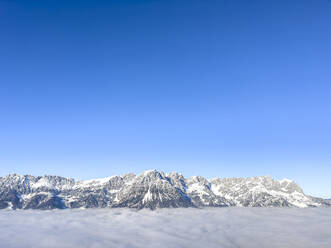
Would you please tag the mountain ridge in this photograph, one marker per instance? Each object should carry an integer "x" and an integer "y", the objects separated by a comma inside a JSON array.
[{"x": 150, "y": 189}]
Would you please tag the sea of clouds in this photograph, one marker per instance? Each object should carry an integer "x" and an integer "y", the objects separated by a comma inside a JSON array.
[{"x": 209, "y": 227}]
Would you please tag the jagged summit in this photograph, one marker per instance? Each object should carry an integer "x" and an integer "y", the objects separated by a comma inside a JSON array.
[{"x": 150, "y": 189}]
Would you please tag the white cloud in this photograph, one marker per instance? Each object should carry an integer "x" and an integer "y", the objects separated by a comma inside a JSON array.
[{"x": 210, "y": 227}]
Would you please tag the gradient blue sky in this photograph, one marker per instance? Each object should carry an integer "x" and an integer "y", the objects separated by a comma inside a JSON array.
[{"x": 213, "y": 88}]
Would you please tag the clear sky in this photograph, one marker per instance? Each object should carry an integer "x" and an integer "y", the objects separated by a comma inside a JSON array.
[{"x": 220, "y": 88}]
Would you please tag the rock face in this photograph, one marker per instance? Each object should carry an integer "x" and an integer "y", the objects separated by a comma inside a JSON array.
[{"x": 151, "y": 189}]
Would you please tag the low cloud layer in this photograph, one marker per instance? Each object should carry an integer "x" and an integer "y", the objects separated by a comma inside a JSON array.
[{"x": 210, "y": 227}]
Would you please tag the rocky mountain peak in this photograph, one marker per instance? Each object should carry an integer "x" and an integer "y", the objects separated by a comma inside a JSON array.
[{"x": 150, "y": 189}]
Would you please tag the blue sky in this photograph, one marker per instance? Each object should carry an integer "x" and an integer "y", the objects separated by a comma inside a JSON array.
[{"x": 213, "y": 88}]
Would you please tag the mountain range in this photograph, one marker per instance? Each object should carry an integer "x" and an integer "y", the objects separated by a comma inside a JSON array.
[{"x": 151, "y": 189}]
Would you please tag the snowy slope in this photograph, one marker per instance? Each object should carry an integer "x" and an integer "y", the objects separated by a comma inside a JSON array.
[{"x": 150, "y": 189}]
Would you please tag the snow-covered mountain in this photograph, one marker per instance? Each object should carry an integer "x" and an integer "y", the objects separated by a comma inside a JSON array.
[{"x": 150, "y": 189}]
